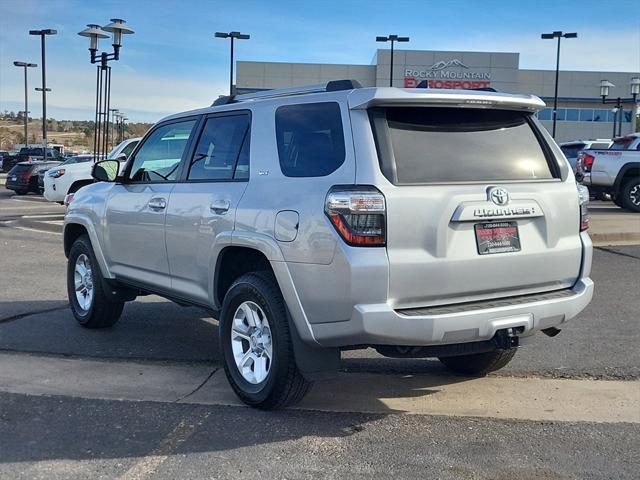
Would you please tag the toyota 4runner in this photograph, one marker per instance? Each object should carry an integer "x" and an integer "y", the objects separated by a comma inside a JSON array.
[{"x": 308, "y": 221}]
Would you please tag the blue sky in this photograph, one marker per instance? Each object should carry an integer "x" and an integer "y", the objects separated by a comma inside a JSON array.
[{"x": 173, "y": 63}]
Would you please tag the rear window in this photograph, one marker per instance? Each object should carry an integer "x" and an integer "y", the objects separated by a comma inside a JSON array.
[
  {"x": 310, "y": 139},
  {"x": 21, "y": 169},
  {"x": 571, "y": 151},
  {"x": 437, "y": 144}
]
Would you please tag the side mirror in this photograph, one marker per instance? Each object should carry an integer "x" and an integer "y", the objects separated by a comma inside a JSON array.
[{"x": 106, "y": 170}]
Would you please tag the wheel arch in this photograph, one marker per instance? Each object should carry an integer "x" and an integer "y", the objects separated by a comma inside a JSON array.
[
  {"x": 628, "y": 171},
  {"x": 74, "y": 227}
]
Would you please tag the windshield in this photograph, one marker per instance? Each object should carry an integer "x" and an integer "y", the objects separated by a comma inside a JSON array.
[{"x": 418, "y": 145}]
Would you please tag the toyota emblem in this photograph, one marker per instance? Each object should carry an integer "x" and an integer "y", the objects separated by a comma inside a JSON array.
[{"x": 499, "y": 196}]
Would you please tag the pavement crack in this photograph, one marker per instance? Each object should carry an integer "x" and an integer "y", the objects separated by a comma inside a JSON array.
[
  {"x": 615, "y": 252},
  {"x": 33, "y": 312},
  {"x": 202, "y": 384}
]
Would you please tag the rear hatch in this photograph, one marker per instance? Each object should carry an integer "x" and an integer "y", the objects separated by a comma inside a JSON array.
[
  {"x": 20, "y": 174},
  {"x": 476, "y": 208}
]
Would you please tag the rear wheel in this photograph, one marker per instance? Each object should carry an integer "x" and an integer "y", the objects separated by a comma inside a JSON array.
[
  {"x": 255, "y": 341},
  {"x": 90, "y": 304},
  {"x": 479, "y": 363},
  {"x": 22, "y": 192},
  {"x": 630, "y": 195}
]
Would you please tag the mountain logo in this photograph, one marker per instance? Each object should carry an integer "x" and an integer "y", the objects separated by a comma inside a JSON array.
[{"x": 441, "y": 65}]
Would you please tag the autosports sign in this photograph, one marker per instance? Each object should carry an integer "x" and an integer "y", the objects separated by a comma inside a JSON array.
[{"x": 438, "y": 75}]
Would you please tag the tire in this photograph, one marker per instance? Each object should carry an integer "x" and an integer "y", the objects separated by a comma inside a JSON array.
[
  {"x": 99, "y": 311},
  {"x": 479, "y": 364},
  {"x": 630, "y": 195},
  {"x": 256, "y": 295},
  {"x": 616, "y": 201},
  {"x": 22, "y": 192}
]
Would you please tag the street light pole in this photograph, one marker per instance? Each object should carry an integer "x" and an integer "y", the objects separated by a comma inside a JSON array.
[
  {"x": 25, "y": 65},
  {"x": 44, "y": 89},
  {"x": 94, "y": 32},
  {"x": 392, "y": 39},
  {"x": 558, "y": 35},
  {"x": 605, "y": 85},
  {"x": 232, "y": 36}
]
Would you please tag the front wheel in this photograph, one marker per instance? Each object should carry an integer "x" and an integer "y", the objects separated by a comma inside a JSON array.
[
  {"x": 255, "y": 341},
  {"x": 630, "y": 195},
  {"x": 479, "y": 364},
  {"x": 90, "y": 304}
]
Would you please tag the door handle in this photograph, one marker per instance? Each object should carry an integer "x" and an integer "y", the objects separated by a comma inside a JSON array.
[
  {"x": 157, "y": 203},
  {"x": 220, "y": 206}
]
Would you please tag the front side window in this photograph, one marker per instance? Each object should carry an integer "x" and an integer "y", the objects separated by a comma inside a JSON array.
[
  {"x": 418, "y": 145},
  {"x": 219, "y": 155},
  {"x": 158, "y": 159},
  {"x": 310, "y": 139}
]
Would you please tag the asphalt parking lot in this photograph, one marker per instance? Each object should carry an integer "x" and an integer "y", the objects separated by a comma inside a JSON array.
[{"x": 71, "y": 401}]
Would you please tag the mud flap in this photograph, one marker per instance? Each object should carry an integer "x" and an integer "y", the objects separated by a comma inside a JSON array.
[{"x": 314, "y": 363}]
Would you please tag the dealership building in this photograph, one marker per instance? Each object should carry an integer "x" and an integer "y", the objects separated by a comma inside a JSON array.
[{"x": 581, "y": 114}]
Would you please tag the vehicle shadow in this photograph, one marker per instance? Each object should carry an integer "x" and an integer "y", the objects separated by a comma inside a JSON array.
[{"x": 153, "y": 330}]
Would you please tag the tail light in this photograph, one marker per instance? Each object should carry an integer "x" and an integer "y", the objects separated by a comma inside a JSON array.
[
  {"x": 587, "y": 162},
  {"x": 25, "y": 176},
  {"x": 583, "y": 195},
  {"x": 358, "y": 214}
]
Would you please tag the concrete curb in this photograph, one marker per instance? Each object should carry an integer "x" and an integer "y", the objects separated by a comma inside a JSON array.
[
  {"x": 536, "y": 399},
  {"x": 617, "y": 238}
]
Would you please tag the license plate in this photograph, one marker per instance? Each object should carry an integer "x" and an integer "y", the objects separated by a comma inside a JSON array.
[
  {"x": 497, "y": 237},
  {"x": 14, "y": 178}
]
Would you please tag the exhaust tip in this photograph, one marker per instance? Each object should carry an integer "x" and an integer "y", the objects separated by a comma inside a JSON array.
[{"x": 551, "y": 331}]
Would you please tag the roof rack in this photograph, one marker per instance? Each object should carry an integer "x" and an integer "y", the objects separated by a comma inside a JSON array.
[{"x": 332, "y": 86}]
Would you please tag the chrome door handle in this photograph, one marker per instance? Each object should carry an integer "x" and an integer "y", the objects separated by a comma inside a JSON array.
[
  {"x": 220, "y": 206},
  {"x": 157, "y": 204}
]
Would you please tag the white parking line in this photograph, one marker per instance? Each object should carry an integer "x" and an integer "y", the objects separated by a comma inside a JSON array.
[{"x": 18, "y": 227}]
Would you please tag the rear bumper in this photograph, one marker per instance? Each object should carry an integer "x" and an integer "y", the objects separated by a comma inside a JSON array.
[{"x": 379, "y": 324}]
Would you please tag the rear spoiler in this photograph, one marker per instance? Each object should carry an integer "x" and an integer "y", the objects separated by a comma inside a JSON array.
[{"x": 369, "y": 97}]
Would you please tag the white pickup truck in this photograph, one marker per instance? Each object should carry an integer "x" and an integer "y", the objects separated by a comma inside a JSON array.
[
  {"x": 69, "y": 177},
  {"x": 615, "y": 171}
]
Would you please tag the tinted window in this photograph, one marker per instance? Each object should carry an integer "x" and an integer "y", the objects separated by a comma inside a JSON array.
[
  {"x": 571, "y": 151},
  {"x": 425, "y": 144},
  {"x": 159, "y": 156},
  {"x": 310, "y": 139},
  {"x": 128, "y": 149},
  {"x": 219, "y": 149}
]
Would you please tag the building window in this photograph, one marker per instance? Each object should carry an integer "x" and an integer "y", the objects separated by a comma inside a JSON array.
[
  {"x": 544, "y": 114},
  {"x": 586, "y": 115},
  {"x": 599, "y": 115},
  {"x": 572, "y": 114}
]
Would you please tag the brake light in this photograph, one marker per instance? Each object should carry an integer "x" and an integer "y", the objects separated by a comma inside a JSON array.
[
  {"x": 587, "y": 162},
  {"x": 358, "y": 213},
  {"x": 583, "y": 195},
  {"x": 24, "y": 176},
  {"x": 68, "y": 198}
]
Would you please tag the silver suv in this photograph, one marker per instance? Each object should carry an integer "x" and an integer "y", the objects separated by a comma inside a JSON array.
[{"x": 308, "y": 221}]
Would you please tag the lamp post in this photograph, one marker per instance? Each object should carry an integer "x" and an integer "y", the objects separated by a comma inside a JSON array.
[
  {"x": 42, "y": 34},
  {"x": 605, "y": 86},
  {"x": 232, "y": 36},
  {"x": 551, "y": 36},
  {"x": 392, "y": 39},
  {"x": 25, "y": 65},
  {"x": 112, "y": 133},
  {"x": 94, "y": 32}
]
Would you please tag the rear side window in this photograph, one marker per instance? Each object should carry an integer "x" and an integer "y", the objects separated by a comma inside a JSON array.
[
  {"x": 437, "y": 145},
  {"x": 220, "y": 154},
  {"x": 310, "y": 139}
]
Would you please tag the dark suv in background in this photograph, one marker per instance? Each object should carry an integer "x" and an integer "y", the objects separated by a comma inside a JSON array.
[{"x": 23, "y": 177}]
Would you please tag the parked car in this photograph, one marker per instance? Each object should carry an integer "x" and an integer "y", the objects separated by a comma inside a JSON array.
[
  {"x": 28, "y": 154},
  {"x": 75, "y": 173},
  {"x": 571, "y": 149},
  {"x": 614, "y": 172},
  {"x": 437, "y": 223},
  {"x": 23, "y": 177}
]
